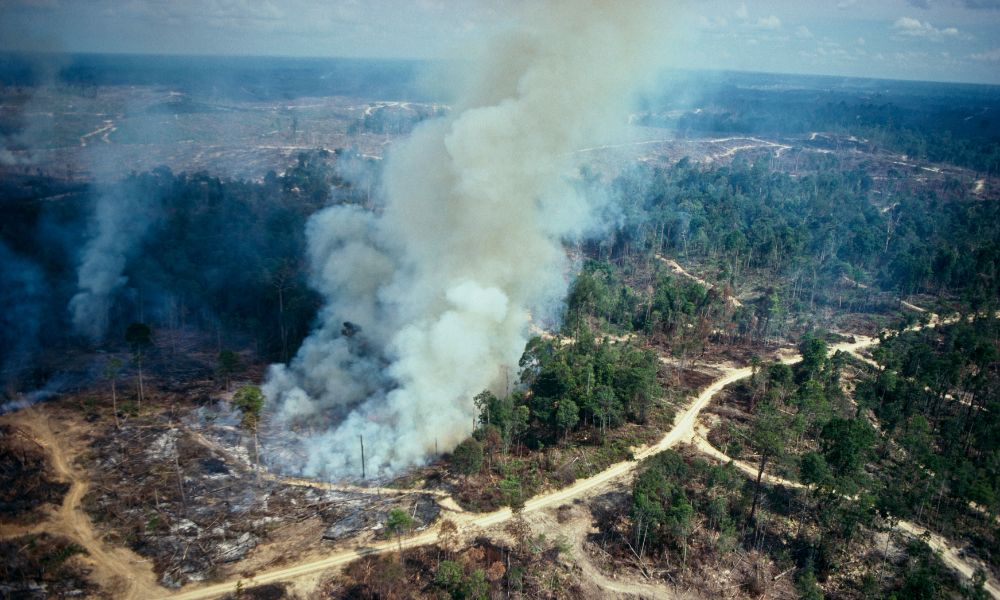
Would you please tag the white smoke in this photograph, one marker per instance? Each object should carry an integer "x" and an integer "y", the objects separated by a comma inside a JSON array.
[
  {"x": 444, "y": 282},
  {"x": 121, "y": 219}
]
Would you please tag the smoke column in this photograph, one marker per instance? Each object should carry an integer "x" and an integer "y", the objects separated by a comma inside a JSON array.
[
  {"x": 121, "y": 219},
  {"x": 444, "y": 283}
]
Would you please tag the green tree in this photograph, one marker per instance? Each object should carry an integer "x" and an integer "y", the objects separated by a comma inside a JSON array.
[
  {"x": 512, "y": 492},
  {"x": 228, "y": 364},
  {"x": 769, "y": 437},
  {"x": 449, "y": 575},
  {"x": 399, "y": 522},
  {"x": 609, "y": 408},
  {"x": 807, "y": 585},
  {"x": 846, "y": 445},
  {"x": 661, "y": 511},
  {"x": 467, "y": 457},
  {"x": 679, "y": 515},
  {"x": 567, "y": 415},
  {"x": 250, "y": 401},
  {"x": 488, "y": 404},
  {"x": 814, "y": 356},
  {"x": 813, "y": 469}
]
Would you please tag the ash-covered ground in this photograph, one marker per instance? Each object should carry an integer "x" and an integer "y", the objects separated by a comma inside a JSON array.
[{"x": 180, "y": 487}]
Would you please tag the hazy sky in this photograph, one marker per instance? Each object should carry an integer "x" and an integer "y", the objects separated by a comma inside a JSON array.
[{"x": 948, "y": 40}]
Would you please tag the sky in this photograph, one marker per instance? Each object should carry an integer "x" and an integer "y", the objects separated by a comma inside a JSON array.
[{"x": 936, "y": 40}]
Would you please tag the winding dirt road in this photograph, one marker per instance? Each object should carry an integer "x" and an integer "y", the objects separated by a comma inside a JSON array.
[
  {"x": 683, "y": 430},
  {"x": 948, "y": 552},
  {"x": 677, "y": 268},
  {"x": 117, "y": 570}
]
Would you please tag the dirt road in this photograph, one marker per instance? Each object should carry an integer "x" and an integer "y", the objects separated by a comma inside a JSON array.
[
  {"x": 948, "y": 552},
  {"x": 117, "y": 570},
  {"x": 677, "y": 268},
  {"x": 579, "y": 523},
  {"x": 683, "y": 429},
  {"x": 125, "y": 575}
]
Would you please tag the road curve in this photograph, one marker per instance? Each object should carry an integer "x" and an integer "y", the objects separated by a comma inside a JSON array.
[
  {"x": 949, "y": 553},
  {"x": 683, "y": 429}
]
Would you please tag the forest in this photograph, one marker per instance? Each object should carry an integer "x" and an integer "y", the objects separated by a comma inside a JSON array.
[{"x": 798, "y": 477}]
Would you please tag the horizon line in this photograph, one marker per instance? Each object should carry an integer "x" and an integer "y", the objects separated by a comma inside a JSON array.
[{"x": 414, "y": 60}]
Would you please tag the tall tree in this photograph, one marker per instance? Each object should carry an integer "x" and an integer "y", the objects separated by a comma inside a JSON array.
[
  {"x": 467, "y": 457},
  {"x": 399, "y": 522},
  {"x": 111, "y": 371},
  {"x": 250, "y": 401},
  {"x": 139, "y": 337},
  {"x": 769, "y": 437},
  {"x": 228, "y": 364}
]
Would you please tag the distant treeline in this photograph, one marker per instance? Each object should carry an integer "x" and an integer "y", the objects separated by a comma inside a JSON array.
[
  {"x": 229, "y": 77},
  {"x": 951, "y": 123}
]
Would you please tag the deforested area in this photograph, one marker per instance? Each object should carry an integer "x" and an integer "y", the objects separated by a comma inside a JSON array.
[{"x": 556, "y": 299}]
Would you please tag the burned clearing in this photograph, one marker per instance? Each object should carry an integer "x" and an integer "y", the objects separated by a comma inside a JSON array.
[
  {"x": 28, "y": 486},
  {"x": 198, "y": 511},
  {"x": 38, "y": 566}
]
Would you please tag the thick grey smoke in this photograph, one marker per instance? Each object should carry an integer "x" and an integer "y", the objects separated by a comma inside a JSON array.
[
  {"x": 121, "y": 219},
  {"x": 445, "y": 282}
]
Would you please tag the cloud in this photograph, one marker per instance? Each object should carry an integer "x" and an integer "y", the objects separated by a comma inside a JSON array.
[
  {"x": 769, "y": 23},
  {"x": 803, "y": 33},
  {"x": 973, "y": 4},
  {"x": 710, "y": 23},
  {"x": 910, "y": 27},
  {"x": 742, "y": 13},
  {"x": 989, "y": 55}
]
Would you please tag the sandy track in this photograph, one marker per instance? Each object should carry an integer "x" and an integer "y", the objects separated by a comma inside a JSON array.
[
  {"x": 682, "y": 430},
  {"x": 580, "y": 524},
  {"x": 122, "y": 573},
  {"x": 948, "y": 552},
  {"x": 118, "y": 571},
  {"x": 677, "y": 268}
]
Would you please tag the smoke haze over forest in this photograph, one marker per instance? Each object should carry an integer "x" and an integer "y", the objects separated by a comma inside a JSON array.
[{"x": 444, "y": 282}]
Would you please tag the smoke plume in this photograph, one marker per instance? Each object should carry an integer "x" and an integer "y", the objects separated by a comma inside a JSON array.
[
  {"x": 440, "y": 288},
  {"x": 120, "y": 221}
]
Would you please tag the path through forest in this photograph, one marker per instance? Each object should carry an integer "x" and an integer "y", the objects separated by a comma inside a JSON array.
[
  {"x": 682, "y": 430},
  {"x": 949, "y": 553},
  {"x": 120, "y": 570}
]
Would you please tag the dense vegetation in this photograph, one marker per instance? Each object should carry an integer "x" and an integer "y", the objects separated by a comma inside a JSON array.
[
  {"x": 574, "y": 398},
  {"x": 812, "y": 229},
  {"x": 937, "y": 398}
]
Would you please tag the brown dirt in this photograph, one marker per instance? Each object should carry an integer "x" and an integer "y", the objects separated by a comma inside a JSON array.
[
  {"x": 118, "y": 571},
  {"x": 576, "y": 523},
  {"x": 114, "y": 565}
]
